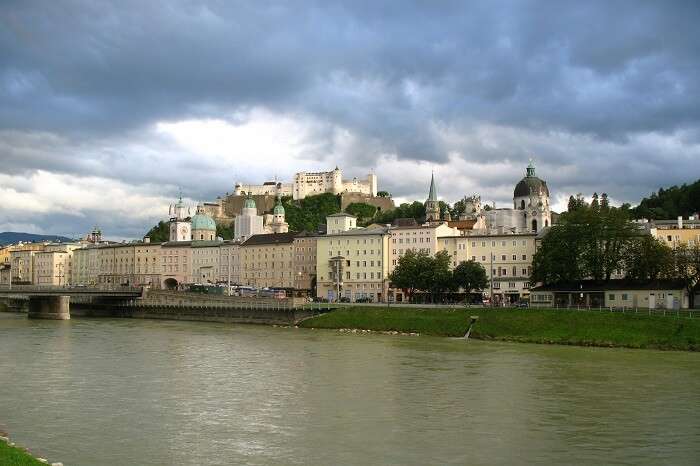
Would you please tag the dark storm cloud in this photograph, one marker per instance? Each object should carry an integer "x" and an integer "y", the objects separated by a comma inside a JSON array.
[
  {"x": 577, "y": 84},
  {"x": 607, "y": 68}
]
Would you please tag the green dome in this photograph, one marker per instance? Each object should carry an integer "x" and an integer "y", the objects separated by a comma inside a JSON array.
[
  {"x": 279, "y": 209},
  {"x": 203, "y": 222}
]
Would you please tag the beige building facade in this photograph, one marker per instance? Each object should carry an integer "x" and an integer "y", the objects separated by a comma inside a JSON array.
[
  {"x": 205, "y": 261},
  {"x": 305, "y": 247},
  {"x": 267, "y": 261},
  {"x": 506, "y": 258},
  {"x": 353, "y": 265},
  {"x": 418, "y": 238},
  {"x": 230, "y": 260}
]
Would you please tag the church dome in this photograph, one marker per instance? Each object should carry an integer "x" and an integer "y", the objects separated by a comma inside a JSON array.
[
  {"x": 530, "y": 185},
  {"x": 202, "y": 221},
  {"x": 278, "y": 210}
]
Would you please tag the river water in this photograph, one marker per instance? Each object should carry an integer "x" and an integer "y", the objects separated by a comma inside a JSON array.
[{"x": 139, "y": 392}]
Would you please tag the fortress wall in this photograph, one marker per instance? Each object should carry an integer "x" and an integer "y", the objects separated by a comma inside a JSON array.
[{"x": 382, "y": 203}]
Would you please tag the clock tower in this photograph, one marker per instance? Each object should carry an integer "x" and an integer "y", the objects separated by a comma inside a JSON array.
[{"x": 180, "y": 227}]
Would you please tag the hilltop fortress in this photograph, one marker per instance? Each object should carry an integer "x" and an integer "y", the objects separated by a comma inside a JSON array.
[
  {"x": 310, "y": 184},
  {"x": 304, "y": 184}
]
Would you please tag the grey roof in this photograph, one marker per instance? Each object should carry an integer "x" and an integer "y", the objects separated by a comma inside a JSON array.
[
  {"x": 175, "y": 244},
  {"x": 530, "y": 185},
  {"x": 206, "y": 243},
  {"x": 270, "y": 238},
  {"x": 610, "y": 285},
  {"x": 341, "y": 214}
]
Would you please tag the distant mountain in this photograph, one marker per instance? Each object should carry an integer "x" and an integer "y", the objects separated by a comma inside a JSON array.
[{"x": 11, "y": 237}]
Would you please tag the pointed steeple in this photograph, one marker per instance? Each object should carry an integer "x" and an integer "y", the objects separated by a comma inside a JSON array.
[{"x": 432, "y": 195}]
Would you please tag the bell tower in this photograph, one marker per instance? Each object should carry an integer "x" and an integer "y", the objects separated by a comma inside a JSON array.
[{"x": 180, "y": 227}]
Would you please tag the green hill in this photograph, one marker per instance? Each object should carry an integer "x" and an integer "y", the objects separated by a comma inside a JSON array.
[{"x": 670, "y": 203}]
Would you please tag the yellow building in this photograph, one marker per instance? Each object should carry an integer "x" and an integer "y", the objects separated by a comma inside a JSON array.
[
  {"x": 229, "y": 259},
  {"x": 419, "y": 238},
  {"x": 52, "y": 268},
  {"x": 205, "y": 261},
  {"x": 353, "y": 264},
  {"x": 176, "y": 263},
  {"x": 677, "y": 232},
  {"x": 133, "y": 264},
  {"x": 267, "y": 261},
  {"x": 506, "y": 258}
]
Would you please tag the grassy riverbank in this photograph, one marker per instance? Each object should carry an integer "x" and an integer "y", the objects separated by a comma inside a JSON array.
[
  {"x": 13, "y": 456},
  {"x": 524, "y": 325}
]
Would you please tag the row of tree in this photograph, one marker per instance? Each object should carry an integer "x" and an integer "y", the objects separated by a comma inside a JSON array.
[
  {"x": 421, "y": 272},
  {"x": 596, "y": 241}
]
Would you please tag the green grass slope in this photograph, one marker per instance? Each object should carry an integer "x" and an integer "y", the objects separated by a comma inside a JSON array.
[{"x": 531, "y": 325}]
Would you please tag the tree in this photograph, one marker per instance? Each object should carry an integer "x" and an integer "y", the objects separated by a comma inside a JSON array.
[
  {"x": 308, "y": 213},
  {"x": 440, "y": 278},
  {"x": 225, "y": 232},
  {"x": 383, "y": 194},
  {"x": 363, "y": 212},
  {"x": 418, "y": 271},
  {"x": 470, "y": 276},
  {"x": 414, "y": 210},
  {"x": 686, "y": 267},
  {"x": 669, "y": 203},
  {"x": 646, "y": 258},
  {"x": 587, "y": 242},
  {"x": 160, "y": 233},
  {"x": 407, "y": 273}
]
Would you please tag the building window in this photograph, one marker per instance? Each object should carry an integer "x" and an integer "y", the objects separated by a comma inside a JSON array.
[
  {"x": 624, "y": 296},
  {"x": 611, "y": 297}
]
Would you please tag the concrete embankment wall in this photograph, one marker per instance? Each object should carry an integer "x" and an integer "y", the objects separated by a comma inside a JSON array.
[{"x": 197, "y": 307}]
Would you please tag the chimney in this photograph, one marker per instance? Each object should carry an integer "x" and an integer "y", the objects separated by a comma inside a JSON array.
[
  {"x": 146, "y": 239},
  {"x": 680, "y": 222}
]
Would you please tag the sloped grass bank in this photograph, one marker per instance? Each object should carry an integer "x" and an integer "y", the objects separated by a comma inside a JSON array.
[
  {"x": 524, "y": 325},
  {"x": 13, "y": 456}
]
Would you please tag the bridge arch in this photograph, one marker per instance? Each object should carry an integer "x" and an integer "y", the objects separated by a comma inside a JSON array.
[{"x": 170, "y": 284}]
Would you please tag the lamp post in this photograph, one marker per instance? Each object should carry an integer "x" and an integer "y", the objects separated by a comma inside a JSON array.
[{"x": 491, "y": 281}]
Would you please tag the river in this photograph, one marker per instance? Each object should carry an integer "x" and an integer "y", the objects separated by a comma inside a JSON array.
[{"x": 138, "y": 392}]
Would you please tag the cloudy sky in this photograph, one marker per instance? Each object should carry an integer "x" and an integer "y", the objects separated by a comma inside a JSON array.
[{"x": 107, "y": 108}]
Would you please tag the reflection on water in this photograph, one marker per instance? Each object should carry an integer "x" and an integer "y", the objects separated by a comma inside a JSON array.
[{"x": 135, "y": 392}]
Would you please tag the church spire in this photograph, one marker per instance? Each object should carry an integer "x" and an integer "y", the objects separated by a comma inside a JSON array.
[
  {"x": 432, "y": 205},
  {"x": 432, "y": 195}
]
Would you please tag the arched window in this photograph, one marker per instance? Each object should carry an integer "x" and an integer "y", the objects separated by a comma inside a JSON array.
[
  {"x": 534, "y": 225},
  {"x": 522, "y": 204},
  {"x": 546, "y": 223}
]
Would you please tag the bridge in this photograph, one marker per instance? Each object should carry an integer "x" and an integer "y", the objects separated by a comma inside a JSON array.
[{"x": 53, "y": 302}]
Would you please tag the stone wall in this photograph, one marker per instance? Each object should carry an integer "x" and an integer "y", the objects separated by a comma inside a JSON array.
[
  {"x": 172, "y": 305},
  {"x": 382, "y": 203}
]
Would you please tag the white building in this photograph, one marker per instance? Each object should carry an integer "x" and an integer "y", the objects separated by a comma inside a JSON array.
[{"x": 249, "y": 223}]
